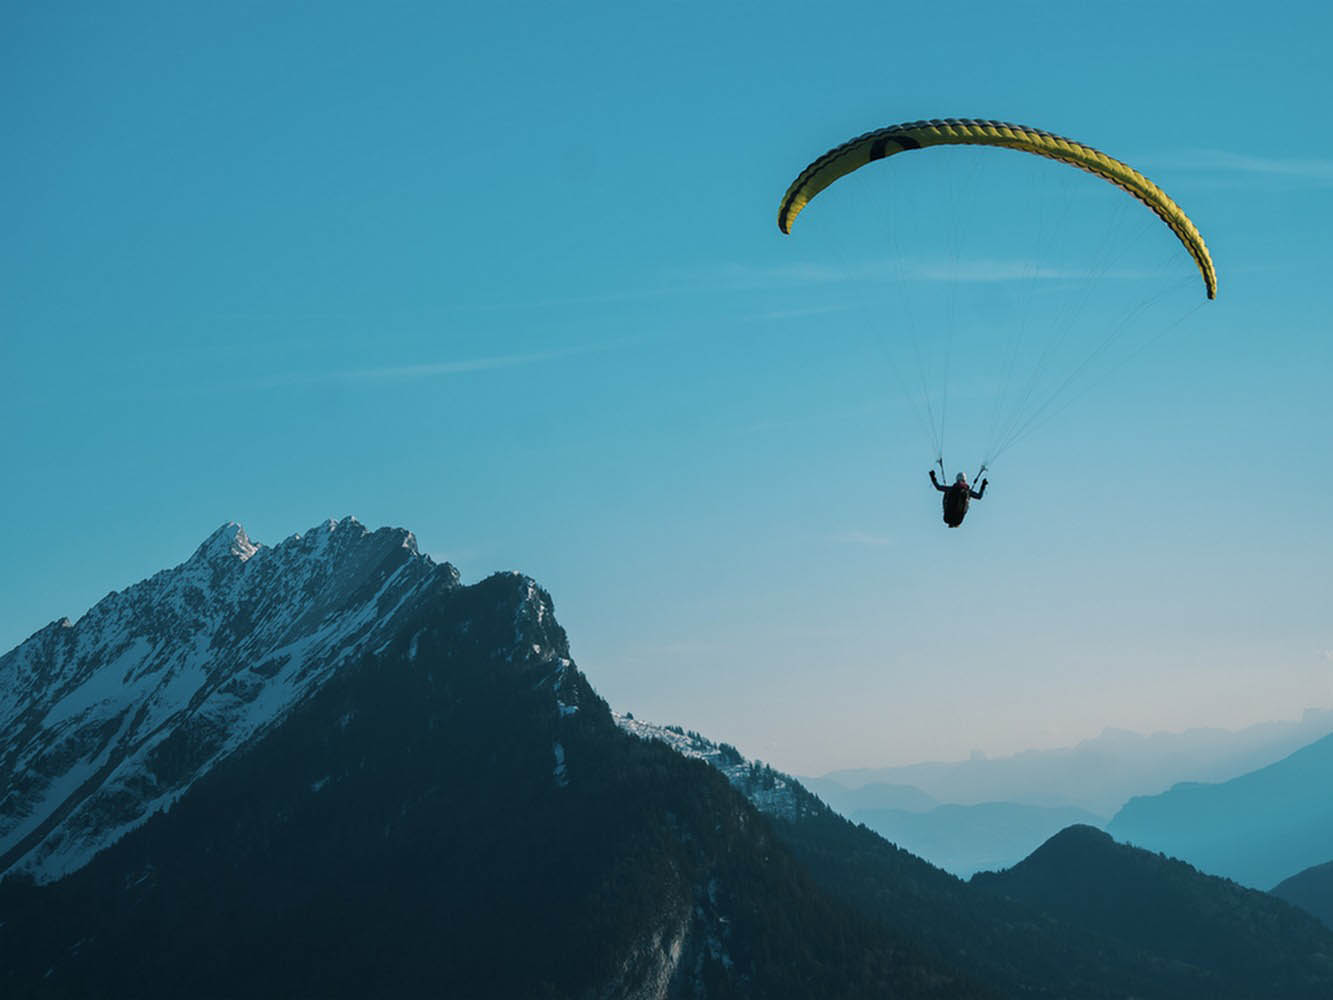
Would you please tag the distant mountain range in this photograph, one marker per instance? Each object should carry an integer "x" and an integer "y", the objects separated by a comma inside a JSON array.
[
  {"x": 328, "y": 768},
  {"x": 1099, "y": 775},
  {"x": 968, "y": 839},
  {"x": 961, "y": 839},
  {"x": 1072, "y": 920},
  {"x": 876, "y": 795},
  {"x": 1311, "y": 890},
  {"x": 1258, "y": 829},
  {"x": 966, "y": 836}
]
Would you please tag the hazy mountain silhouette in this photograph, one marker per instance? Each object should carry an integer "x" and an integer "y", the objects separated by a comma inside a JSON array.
[
  {"x": 1039, "y": 943},
  {"x": 1258, "y": 829},
  {"x": 968, "y": 839},
  {"x": 1252, "y": 943},
  {"x": 876, "y": 795},
  {"x": 1101, "y": 774},
  {"x": 1311, "y": 890}
]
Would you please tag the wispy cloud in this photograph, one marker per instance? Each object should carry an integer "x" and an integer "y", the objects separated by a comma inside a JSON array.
[
  {"x": 778, "y": 314},
  {"x": 983, "y": 270},
  {"x": 975, "y": 271},
  {"x": 735, "y": 277},
  {"x": 429, "y": 369},
  {"x": 861, "y": 538},
  {"x": 1220, "y": 161},
  {"x": 857, "y": 412},
  {"x": 590, "y": 299}
]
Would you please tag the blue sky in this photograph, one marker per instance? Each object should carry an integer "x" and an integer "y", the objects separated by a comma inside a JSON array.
[{"x": 509, "y": 276}]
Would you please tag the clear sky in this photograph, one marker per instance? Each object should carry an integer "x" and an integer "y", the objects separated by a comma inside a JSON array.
[{"x": 509, "y": 275}]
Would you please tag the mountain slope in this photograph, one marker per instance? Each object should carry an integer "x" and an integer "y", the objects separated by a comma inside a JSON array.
[
  {"x": 450, "y": 810},
  {"x": 1020, "y": 947},
  {"x": 1311, "y": 890},
  {"x": 1246, "y": 939},
  {"x": 1258, "y": 829},
  {"x": 111, "y": 718}
]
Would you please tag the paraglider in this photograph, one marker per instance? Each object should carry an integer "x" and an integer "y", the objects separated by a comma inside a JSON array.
[
  {"x": 956, "y": 497},
  {"x": 1015, "y": 412}
]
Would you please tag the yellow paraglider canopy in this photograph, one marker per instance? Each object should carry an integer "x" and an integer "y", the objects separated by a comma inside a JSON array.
[{"x": 881, "y": 143}]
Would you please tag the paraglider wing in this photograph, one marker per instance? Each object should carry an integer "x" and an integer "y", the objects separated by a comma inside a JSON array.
[{"x": 885, "y": 142}]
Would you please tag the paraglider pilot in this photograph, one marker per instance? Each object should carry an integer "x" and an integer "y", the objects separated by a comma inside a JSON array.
[{"x": 956, "y": 498}]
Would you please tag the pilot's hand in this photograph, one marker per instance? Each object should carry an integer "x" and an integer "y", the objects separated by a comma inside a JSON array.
[
  {"x": 984, "y": 482},
  {"x": 932, "y": 475}
]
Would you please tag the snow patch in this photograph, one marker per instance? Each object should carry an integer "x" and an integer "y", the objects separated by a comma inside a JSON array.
[{"x": 770, "y": 791}]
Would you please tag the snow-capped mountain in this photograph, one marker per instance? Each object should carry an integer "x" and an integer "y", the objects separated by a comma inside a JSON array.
[
  {"x": 328, "y": 768},
  {"x": 111, "y": 718}
]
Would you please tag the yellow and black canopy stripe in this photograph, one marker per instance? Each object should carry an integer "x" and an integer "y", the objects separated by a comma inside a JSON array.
[{"x": 876, "y": 145}]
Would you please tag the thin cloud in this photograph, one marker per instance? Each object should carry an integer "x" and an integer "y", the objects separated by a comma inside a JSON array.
[
  {"x": 977, "y": 271},
  {"x": 805, "y": 419},
  {"x": 733, "y": 277},
  {"x": 1225, "y": 162},
  {"x": 796, "y": 313},
  {"x": 592, "y": 298},
  {"x": 433, "y": 369},
  {"x": 982, "y": 271},
  {"x": 861, "y": 538}
]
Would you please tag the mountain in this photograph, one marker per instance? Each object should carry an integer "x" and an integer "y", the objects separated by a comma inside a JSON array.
[
  {"x": 1101, "y": 774},
  {"x": 421, "y": 794},
  {"x": 329, "y": 769},
  {"x": 113, "y": 717},
  {"x": 1258, "y": 829},
  {"x": 968, "y": 839},
  {"x": 1031, "y": 947},
  {"x": 1311, "y": 890},
  {"x": 1142, "y": 900}
]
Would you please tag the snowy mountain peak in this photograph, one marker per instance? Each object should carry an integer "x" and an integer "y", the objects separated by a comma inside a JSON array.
[
  {"x": 229, "y": 542},
  {"x": 110, "y": 718}
]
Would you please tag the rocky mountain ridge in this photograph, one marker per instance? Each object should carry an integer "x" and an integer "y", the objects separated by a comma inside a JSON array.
[{"x": 112, "y": 718}]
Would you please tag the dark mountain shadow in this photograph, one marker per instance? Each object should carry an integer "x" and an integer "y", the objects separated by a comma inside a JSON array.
[
  {"x": 458, "y": 816},
  {"x": 1311, "y": 890},
  {"x": 1250, "y": 942}
]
